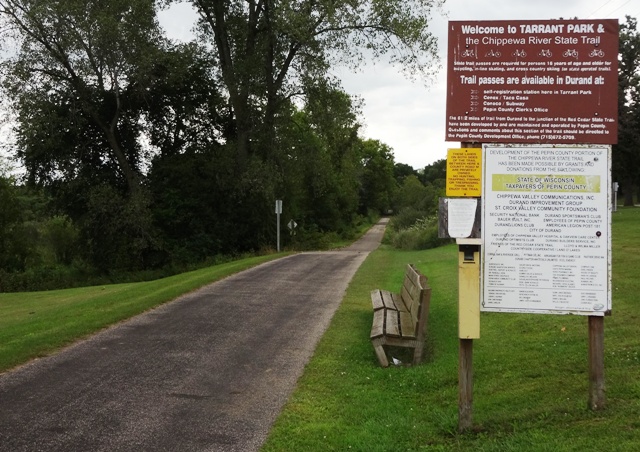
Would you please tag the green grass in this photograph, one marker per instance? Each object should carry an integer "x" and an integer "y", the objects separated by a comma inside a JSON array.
[
  {"x": 35, "y": 324},
  {"x": 530, "y": 372}
]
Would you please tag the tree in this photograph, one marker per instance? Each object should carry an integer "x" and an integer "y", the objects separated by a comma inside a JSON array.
[
  {"x": 12, "y": 255},
  {"x": 321, "y": 160},
  {"x": 378, "y": 182},
  {"x": 84, "y": 57},
  {"x": 435, "y": 174},
  {"x": 401, "y": 171},
  {"x": 626, "y": 162},
  {"x": 183, "y": 107},
  {"x": 412, "y": 194},
  {"x": 268, "y": 52}
]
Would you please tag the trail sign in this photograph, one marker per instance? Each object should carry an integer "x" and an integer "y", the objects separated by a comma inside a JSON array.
[{"x": 553, "y": 81}]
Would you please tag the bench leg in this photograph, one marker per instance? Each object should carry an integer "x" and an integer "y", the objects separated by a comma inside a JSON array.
[
  {"x": 418, "y": 353},
  {"x": 380, "y": 353}
]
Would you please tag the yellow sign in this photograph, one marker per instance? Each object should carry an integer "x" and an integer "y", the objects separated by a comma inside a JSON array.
[{"x": 464, "y": 172}]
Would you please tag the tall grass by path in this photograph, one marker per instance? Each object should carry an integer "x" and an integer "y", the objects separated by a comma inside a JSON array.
[
  {"x": 530, "y": 371},
  {"x": 34, "y": 324}
]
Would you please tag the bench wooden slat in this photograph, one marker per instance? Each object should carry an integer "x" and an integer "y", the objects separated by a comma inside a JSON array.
[
  {"x": 377, "y": 329},
  {"x": 417, "y": 278},
  {"x": 407, "y": 325},
  {"x": 397, "y": 301},
  {"x": 376, "y": 300},
  {"x": 388, "y": 300},
  {"x": 412, "y": 290},
  {"x": 392, "y": 327},
  {"x": 411, "y": 302}
]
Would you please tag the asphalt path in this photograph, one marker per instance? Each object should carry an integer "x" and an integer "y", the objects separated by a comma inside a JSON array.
[{"x": 209, "y": 371}]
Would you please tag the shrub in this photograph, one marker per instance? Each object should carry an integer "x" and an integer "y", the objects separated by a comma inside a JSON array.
[
  {"x": 421, "y": 235},
  {"x": 406, "y": 218}
]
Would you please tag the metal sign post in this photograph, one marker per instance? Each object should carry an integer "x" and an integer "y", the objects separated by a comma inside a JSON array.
[{"x": 278, "y": 213}]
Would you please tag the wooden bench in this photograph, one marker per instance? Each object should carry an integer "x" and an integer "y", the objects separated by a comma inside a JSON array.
[{"x": 401, "y": 319}]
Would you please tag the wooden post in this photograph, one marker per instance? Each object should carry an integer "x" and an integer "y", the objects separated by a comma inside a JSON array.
[
  {"x": 597, "y": 398},
  {"x": 465, "y": 385},
  {"x": 469, "y": 292}
]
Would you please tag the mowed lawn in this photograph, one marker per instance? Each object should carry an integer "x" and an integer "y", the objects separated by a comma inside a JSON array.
[
  {"x": 530, "y": 371},
  {"x": 35, "y": 324}
]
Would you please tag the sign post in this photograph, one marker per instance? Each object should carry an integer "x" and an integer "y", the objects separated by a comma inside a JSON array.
[
  {"x": 458, "y": 220},
  {"x": 278, "y": 213}
]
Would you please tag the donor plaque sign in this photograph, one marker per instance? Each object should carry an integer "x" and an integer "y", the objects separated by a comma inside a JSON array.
[
  {"x": 552, "y": 81},
  {"x": 547, "y": 229}
]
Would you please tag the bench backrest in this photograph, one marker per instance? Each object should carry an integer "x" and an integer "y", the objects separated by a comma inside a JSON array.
[{"x": 416, "y": 296}]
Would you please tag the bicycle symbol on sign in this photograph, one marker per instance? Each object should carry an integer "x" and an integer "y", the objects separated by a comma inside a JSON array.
[
  {"x": 545, "y": 53},
  {"x": 597, "y": 53},
  {"x": 519, "y": 54},
  {"x": 468, "y": 53},
  {"x": 570, "y": 53},
  {"x": 493, "y": 53}
]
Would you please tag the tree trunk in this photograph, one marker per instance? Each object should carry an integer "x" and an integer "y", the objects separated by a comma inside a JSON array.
[
  {"x": 133, "y": 181},
  {"x": 627, "y": 191}
]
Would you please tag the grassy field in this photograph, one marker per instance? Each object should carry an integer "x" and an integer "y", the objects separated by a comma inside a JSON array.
[
  {"x": 35, "y": 324},
  {"x": 530, "y": 372}
]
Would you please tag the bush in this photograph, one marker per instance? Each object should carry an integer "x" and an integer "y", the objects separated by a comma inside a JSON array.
[
  {"x": 406, "y": 218},
  {"x": 61, "y": 238},
  {"x": 421, "y": 235},
  {"x": 44, "y": 277},
  {"x": 312, "y": 239}
]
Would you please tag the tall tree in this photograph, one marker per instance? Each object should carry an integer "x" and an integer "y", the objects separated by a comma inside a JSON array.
[
  {"x": 83, "y": 56},
  {"x": 626, "y": 160},
  {"x": 378, "y": 182},
  {"x": 184, "y": 110},
  {"x": 322, "y": 164},
  {"x": 268, "y": 51},
  {"x": 435, "y": 173},
  {"x": 402, "y": 170}
]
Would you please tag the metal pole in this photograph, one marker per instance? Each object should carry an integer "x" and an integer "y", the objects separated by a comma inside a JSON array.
[
  {"x": 278, "y": 229},
  {"x": 278, "y": 212}
]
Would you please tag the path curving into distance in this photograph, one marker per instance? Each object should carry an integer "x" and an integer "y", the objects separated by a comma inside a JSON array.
[{"x": 209, "y": 371}]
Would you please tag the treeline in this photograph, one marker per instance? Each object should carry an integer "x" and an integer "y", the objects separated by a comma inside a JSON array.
[
  {"x": 144, "y": 155},
  {"x": 183, "y": 219}
]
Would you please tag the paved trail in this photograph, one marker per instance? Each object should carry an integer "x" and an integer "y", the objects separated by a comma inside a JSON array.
[{"x": 207, "y": 372}]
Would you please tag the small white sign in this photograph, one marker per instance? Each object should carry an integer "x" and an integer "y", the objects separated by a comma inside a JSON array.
[
  {"x": 461, "y": 217},
  {"x": 278, "y": 206}
]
